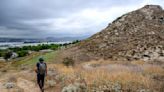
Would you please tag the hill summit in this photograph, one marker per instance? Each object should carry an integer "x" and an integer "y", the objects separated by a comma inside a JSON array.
[{"x": 133, "y": 36}]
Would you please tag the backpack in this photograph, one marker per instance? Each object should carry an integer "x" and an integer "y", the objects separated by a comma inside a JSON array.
[{"x": 42, "y": 68}]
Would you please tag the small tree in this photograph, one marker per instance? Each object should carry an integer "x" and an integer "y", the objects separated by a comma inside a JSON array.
[
  {"x": 74, "y": 42},
  {"x": 7, "y": 55},
  {"x": 1, "y": 54},
  {"x": 22, "y": 53}
]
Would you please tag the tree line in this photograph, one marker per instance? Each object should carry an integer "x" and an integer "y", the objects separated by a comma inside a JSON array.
[{"x": 24, "y": 51}]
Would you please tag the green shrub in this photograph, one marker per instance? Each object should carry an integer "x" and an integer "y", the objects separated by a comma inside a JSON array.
[
  {"x": 74, "y": 42},
  {"x": 1, "y": 54},
  {"x": 7, "y": 55},
  {"x": 68, "y": 61},
  {"x": 15, "y": 49},
  {"x": 54, "y": 46},
  {"x": 22, "y": 53}
]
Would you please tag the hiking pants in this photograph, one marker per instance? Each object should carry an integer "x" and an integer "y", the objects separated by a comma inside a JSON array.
[{"x": 40, "y": 80}]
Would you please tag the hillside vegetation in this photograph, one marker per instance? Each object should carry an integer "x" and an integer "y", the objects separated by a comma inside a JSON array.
[{"x": 101, "y": 75}]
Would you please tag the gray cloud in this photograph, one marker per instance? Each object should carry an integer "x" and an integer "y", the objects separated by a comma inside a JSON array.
[{"x": 60, "y": 18}]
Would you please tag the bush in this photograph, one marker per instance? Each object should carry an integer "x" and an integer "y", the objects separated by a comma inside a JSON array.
[
  {"x": 1, "y": 54},
  {"x": 68, "y": 61},
  {"x": 7, "y": 55},
  {"x": 22, "y": 53},
  {"x": 54, "y": 46},
  {"x": 74, "y": 42},
  {"x": 15, "y": 49}
]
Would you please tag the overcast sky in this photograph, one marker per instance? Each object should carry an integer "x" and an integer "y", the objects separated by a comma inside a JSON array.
[{"x": 62, "y": 18}]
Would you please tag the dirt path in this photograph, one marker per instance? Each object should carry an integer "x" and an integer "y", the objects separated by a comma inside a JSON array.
[
  {"x": 27, "y": 86},
  {"x": 17, "y": 82},
  {"x": 24, "y": 81}
]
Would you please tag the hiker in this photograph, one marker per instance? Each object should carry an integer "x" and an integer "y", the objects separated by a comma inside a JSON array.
[{"x": 41, "y": 70}]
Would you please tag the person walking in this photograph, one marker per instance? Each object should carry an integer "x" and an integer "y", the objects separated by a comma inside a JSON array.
[{"x": 41, "y": 70}]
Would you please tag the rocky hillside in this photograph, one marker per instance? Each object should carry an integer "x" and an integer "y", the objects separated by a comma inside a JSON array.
[{"x": 135, "y": 35}]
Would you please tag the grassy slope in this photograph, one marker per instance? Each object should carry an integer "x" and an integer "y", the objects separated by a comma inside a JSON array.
[{"x": 31, "y": 60}]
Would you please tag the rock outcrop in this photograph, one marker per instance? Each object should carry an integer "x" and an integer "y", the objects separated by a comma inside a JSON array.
[{"x": 133, "y": 36}]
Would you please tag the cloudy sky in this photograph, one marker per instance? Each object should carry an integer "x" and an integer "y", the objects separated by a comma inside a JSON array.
[{"x": 62, "y": 18}]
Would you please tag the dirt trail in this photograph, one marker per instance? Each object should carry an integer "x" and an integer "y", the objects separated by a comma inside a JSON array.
[
  {"x": 23, "y": 81},
  {"x": 17, "y": 82},
  {"x": 27, "y": 85},
  {"x": 22, "y": 85}
]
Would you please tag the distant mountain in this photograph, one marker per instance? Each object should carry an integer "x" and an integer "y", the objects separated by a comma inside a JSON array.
[
  {"x": 66, "y": 38},
  {"x": 19, "y": 40},
  {"x": 48, "y": 39},
  {"x": 138, "y": 35}
]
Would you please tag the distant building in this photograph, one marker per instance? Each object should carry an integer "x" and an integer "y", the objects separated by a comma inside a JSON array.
[
  {"x": 14, "y": 55},
  {"x": 47, "y": 50}
]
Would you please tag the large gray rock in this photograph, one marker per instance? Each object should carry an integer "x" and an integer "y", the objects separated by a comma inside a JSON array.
[
  {"x": 76, "y": 87},
  {"x": 9, "y": 85},
  {"x": 51, "y": 83}
]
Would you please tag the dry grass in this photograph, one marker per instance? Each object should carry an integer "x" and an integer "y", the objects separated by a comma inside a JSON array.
[
  {"x": 102, "y": 62},
  {"x": 153, "y": 69},
  {"x": 101, "y": 76},
  {"x": 138, "y": 62},
  {"x": 124, "y": 78},
  {"x": 130, "y": 76}
]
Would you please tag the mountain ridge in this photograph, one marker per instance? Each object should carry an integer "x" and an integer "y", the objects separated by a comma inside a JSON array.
[{"x": 137, "y": 35}]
